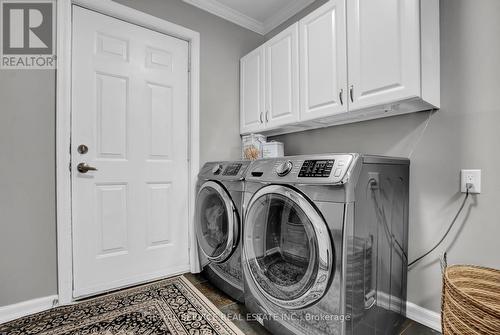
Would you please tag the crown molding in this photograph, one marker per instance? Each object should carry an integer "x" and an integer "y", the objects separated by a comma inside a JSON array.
[
  {"x": 229, "y": 14},
  {"x": 232, "y": 15},
  {"x": 284, "y": 14}
]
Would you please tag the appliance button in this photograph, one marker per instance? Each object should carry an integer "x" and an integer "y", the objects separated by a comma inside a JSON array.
[
  {"x": 284, "y": 168},
  {"x": 337, "y": 173}
]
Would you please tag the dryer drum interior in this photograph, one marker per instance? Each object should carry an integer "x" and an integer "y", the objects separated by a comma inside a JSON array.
[
  {"x": 217, "y": 222},
  {"x": 287, "y": 246}
]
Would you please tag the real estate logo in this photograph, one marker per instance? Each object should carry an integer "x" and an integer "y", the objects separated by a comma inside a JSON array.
[{"x": 28, "y": 34}]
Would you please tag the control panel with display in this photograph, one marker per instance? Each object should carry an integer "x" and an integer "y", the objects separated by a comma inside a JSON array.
[
  {"x": 232, "y": 169},
  {"x": 317, "y": 168}
]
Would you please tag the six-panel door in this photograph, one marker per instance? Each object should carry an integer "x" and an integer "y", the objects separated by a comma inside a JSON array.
[
  {"x": 323, "y": 65},
  {"x": 282, "y": 78},
  {"x": 130, "y": 108},
  {"x": 383, "y": 51}
]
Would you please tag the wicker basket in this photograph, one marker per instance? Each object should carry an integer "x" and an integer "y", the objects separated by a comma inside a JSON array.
[{"x": 470, "y": 301}]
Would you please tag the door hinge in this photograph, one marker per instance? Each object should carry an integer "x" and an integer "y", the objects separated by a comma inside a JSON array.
[{"x": 69, "y": 166}]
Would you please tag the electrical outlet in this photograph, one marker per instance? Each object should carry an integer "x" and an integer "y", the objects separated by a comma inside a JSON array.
[{"x": 471, "y": 177}]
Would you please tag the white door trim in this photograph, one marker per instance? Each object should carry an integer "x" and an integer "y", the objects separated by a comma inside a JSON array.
[{"x": 63, "y": 122}]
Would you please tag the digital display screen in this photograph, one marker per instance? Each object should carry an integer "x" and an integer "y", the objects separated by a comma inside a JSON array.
[
  {"x": 232, "y": 170},
  {"x": 317, "y": 168}
]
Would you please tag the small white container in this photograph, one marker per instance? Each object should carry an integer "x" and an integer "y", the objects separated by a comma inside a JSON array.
[{"x": 273, "y": 149}]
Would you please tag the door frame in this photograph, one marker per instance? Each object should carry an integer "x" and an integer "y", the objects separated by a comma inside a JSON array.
[{"x": 63, "y": 123}]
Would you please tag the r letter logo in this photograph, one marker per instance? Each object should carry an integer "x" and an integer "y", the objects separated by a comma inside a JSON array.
[{"x": 28, "y": 31}]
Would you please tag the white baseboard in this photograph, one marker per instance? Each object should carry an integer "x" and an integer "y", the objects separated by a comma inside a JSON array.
[
  {"x": 424, "y": 316},
  {"x": 413, "y": 311},
  {"x": 11, "y": 312}
]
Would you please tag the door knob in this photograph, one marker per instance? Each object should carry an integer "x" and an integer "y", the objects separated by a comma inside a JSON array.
[{"x": 84, "y": 168}]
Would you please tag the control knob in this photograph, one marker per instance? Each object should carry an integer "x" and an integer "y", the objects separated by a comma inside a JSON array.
[
  {"x": 217, "y": 169},
  {"x": 284, "y": 168}
]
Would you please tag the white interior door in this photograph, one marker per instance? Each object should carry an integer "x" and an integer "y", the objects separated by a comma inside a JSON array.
[
  {"x": 130, "y": 109},
  {"x": 384, "y": 51},
  {"x": 282, "y": 78},
  {"x": 323, "y": 62}
]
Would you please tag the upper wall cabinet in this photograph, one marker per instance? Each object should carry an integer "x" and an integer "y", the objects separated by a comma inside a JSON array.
[
  {"x": 383, "y": 51},
  {"x": 359, "y": 60},
  {"x": 323, "y": 63},
  {"x": 282, "y": 78},
  {"x": 269, "y": 96},
  {"x": 252, "y": 103}
]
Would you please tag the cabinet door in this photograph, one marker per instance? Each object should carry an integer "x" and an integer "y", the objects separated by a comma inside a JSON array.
[
  {"x": 383, "y": 51},
  {"x": 252, "y": 100},
  {"x": 323, "y": 65},
  {"x": 282, "y": 78}
]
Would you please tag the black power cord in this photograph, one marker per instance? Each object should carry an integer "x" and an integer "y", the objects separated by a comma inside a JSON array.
[
  {"x": 468, "y": 186},
  {"x": 379, "y": 211}
]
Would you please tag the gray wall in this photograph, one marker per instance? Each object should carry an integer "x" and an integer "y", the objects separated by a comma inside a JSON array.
[
  {"x": 27, "y": 144},
  {"x": 463, "y": 134},
  {"x": 27, "y": 185}
]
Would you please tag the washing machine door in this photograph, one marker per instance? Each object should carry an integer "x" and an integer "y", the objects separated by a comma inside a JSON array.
[
  {"x": 287, "y": 246},
  {"x": 217, "y": 222}
]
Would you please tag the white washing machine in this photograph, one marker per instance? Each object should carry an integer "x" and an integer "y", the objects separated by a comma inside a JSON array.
[
  {"x": 218, "y": 224},
  {"x": 325, "y": 243}
]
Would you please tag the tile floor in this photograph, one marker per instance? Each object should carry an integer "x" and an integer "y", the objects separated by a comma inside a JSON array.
[{"x": 231, "y": 308}]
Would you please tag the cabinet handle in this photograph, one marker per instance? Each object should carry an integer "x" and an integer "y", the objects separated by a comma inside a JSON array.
[
  {"x": 351, "y": 92},
  {"x": 261, "y": 121},
  {"x": 267, "y": 116},
  {"x": 341, "y": 94}
]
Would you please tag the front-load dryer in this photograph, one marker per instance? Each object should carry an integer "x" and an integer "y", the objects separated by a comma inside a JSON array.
[
  {"x": 218, "y": 226},
  {"x": 325, "y": 244}
]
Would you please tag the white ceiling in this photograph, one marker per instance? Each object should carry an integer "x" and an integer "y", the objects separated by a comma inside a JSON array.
[{"x": 261, "y": 16}]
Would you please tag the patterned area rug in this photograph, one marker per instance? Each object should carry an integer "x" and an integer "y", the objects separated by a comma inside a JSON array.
[{"x": 172, "y": 306}]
